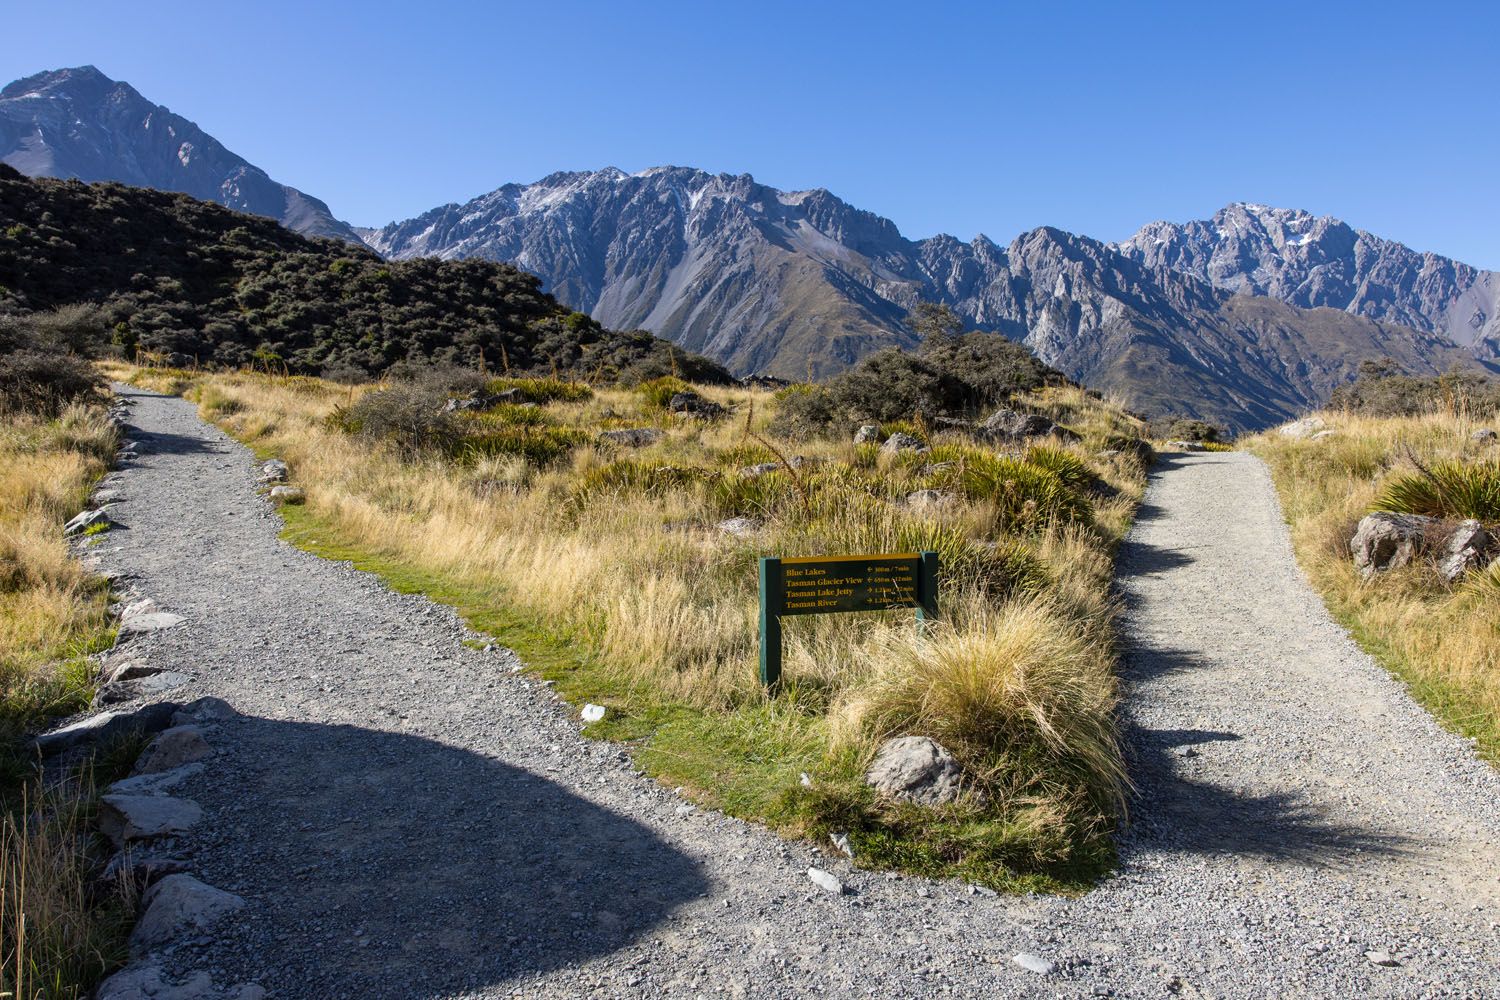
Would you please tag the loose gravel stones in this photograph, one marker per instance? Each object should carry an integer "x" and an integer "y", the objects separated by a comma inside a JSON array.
[{"x": 405, "y": 817}]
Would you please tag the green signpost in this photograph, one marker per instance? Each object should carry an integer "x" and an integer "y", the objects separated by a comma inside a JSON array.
[{"x": 819, "y": 585}]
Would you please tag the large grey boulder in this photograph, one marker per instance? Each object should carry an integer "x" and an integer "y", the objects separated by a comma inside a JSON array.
[
  {"x": 916, "y": 769},
  {"x": 288, "y": 494},
  {"x": 693, "y": 404},
  {"x": 147, "y": 982},
  {"x": 107, "y": 727},
  {"x": 172, "y": 749},
  {"x": 633, "y": 437},
  {"x": 1385, "y": 540},
  {"x": 205, "y": 709},
  {"x": 1007, "y": 424},
  {"x": 178, "y": 905},
  {"x": 1466, "y": 550},
  {"x": 903, "y": 442},
  {"x": 1304, "y": 428},
  {"x": 129, "y": 817}
]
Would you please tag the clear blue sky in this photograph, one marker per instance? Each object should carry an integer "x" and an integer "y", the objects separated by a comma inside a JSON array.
[{"x": 946, "y": 117}]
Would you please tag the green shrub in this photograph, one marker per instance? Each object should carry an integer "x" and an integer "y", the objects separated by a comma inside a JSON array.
[
  {"x": 537, "y": 445},
  {"x": 1185, "y": 429},
  {"x": 542, "y": 390},
  {"x": 658, "y": 392},
  {"x": 1072, "y": 470},
  {"x": 1447, "y": 490},
  {"x": 1026, "y": 496},
  {"x": 506, "y": 415},
  {"x": 408, "y": 415}
]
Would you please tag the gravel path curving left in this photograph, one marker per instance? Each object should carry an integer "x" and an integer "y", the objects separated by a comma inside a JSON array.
[{"x": 405, "y": 817}]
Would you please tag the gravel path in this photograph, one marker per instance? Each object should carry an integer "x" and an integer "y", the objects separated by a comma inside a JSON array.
[{"x": 407, "y": 818}]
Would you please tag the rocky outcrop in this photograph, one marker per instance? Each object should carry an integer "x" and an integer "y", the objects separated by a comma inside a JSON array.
[
  {"x": 1467, "y": 549},
  {"x": 903, "y": 442},
  {"x": 1010, "y": 425},
  {"x": 693, "y": 404},
  {"x": 916, "y": 769},
  {"x": 1385, "y": 541}
]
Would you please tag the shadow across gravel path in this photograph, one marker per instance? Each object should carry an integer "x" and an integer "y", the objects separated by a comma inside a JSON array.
[{"x": 404, "y": 867}]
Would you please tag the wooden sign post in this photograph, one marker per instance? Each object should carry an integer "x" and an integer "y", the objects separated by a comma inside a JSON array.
[{"x": 819, "y": 585}]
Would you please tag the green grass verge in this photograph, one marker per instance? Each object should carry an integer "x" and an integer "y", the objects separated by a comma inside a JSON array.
[
  {"x": 1453, "y": 707},
  {"x": 746, "y": 762}
]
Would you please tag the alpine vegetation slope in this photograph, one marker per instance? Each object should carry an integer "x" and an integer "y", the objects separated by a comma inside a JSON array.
[
  {"x": 1313, "y": 261},
  {"x": 78, "y": 123},
  {"x": 802, "y": 283}
]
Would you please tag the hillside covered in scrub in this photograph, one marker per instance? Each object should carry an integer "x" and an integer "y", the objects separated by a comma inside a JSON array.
[{"x": 198, "y": 283}]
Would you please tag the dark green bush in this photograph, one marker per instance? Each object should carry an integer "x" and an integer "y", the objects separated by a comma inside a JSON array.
[
  {"x": 1026, "y": 496},
  {"x": 190, "y": 278},
  {"x": 44, "y": 363},
  {"x": 1185, "y": 429},
  {"x": 658, "y": 392},
  {"x": 956, "y": 376},
  {"x": 537, "y": 445},
  {"x": 1383, "y": 389}
]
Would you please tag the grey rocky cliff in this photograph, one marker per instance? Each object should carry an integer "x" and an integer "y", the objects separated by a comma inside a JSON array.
[
  {"x": 1319, "y": 261},
  {"x": 799, "y": 282},
  {"x": 78, "y": 123}
]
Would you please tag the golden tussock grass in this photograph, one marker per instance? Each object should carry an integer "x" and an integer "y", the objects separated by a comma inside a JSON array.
[
  {"x": 55, "y": 940},
  {"x": 618, "y": 550},
  {"x": 1443, "y": 641}
]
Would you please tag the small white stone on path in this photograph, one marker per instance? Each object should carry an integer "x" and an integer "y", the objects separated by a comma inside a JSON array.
[
  {"x": 593, "y": 713},
  {"x": 1381, "y": 958},
  {"x": 1033, "y": 963},
  {"x": 825, "y": 880}
]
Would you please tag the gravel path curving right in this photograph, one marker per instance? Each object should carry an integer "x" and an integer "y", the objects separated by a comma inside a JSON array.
[{"x": 405, "y": 817}]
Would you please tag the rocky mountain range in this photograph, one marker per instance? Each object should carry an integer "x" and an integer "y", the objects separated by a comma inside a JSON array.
[
  {"x": 1244, "y": 319},
  {"x": 1312, "y": 261},
  {"x": 801, "y": 283},
  {"x": 78, "y": 123}
]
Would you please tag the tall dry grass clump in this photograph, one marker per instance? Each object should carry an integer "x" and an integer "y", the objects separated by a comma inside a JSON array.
[
  {"x": 1442, "y": 640},
  {"x": 634, "y": 571},
  {"x": 1023, "y": 695},
  {"x": 51, "y": 610},
  {"x": 57, "y": 937}
]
